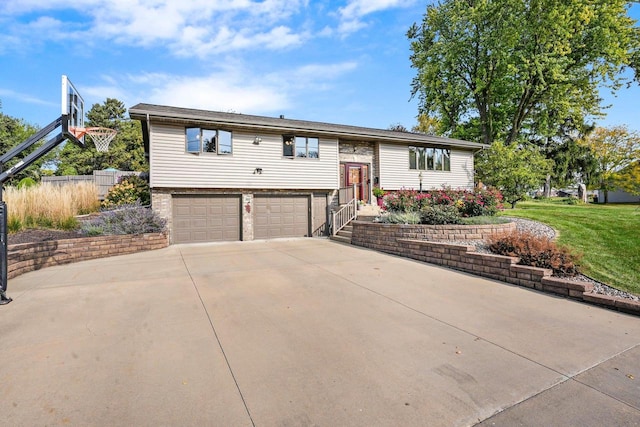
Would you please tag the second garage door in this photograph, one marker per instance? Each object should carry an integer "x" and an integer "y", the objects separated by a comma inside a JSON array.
[
  {"x": 280, "y": 216},
  {"x": 205, "y": 218}
]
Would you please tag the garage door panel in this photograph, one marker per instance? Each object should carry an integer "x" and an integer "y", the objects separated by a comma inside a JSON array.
[
  {"x": 281, "y": 216},
  {"x": 206, "y": 218}
]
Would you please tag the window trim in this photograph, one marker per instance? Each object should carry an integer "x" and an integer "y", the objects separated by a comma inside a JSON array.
[
  {"x": 200, "y": 138},
  {"x": 421, "y": 158}
]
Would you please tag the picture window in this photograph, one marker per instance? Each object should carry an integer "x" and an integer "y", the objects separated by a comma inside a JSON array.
[{"x": 429, "y": 158}]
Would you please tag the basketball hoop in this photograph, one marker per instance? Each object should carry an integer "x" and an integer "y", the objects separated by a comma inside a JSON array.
[{"x": 101, "y": 137}]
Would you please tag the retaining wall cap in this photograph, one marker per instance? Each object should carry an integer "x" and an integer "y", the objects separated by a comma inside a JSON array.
[
  {"x": 528, "y": 268},
  {"x": 434, "y": 243}
]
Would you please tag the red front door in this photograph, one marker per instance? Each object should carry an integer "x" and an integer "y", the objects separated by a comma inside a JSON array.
[{"x": 358, "y": 174}]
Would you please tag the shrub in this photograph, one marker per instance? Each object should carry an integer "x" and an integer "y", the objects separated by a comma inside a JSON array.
[
  {"x": 128, "y": 190},
  {"x": 440, "y": 214},
  {"x": 400, "y": 218},
  {"x": 536, "y": 251},
  {"x": 126, "y": 219},
  {"x": 572, "y": 200},
  {"x": 142, "y": 188},
  {"x": 27, "y": 182},
  {"x": 402, "y": 201},
  {"x": 485, "y": 202}
]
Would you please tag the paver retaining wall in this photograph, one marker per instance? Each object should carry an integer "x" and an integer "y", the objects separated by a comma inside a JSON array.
[
  {"x": 390, "y": 238},
  {"x": 25, "y": 257}
]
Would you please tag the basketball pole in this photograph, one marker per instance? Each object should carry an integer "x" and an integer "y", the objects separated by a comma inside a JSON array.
[{"x": 18, "y": 167}]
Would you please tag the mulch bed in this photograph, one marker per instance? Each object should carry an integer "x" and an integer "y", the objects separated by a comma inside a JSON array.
[{"x": 41, "y": 235}]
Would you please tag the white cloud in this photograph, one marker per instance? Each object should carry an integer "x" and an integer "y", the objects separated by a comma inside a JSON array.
[
  {"x": 197, "y": 42},
  {"x": 219, "y": 92},
  {"x": 25, "y": 97},
  {"x": 187, "y": 27},
  {"x": 351, "y": 15},
  {"x": 233, "y": 88}
]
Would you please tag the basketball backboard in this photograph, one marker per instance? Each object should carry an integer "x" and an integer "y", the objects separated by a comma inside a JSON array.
[{"x": 72, "y": 106}]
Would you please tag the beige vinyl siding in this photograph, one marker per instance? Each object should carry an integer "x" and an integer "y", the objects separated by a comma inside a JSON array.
[
  {"x": 173, "y": 167},
  {"x": 395, "y": 173}
]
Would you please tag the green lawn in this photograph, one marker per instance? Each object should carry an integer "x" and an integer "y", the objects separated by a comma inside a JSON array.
[{"x": 607, "y": 235}]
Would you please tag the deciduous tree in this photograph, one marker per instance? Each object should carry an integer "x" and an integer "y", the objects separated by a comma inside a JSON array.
[
  {"x": 512, "y": 169},
  {"x": 629, "y": 179},
  {"x": 14, "y": 131},
  {"x": 126, "y": 151},
  {"x": 614, "y": 148},
  {"x": 501, "y": 70}
]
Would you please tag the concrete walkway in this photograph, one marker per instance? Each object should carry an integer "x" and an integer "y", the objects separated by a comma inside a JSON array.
[{"x": 305, "y": 332}]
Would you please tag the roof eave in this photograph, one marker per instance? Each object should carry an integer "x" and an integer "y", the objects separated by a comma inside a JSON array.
[{"x": 177, "y": 115}]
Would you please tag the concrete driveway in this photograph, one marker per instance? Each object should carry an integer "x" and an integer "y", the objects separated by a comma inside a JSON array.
[{"x": 305, "y": 332}]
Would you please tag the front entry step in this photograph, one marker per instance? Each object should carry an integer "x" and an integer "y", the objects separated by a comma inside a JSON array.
[{"x": 344, "y": 235}]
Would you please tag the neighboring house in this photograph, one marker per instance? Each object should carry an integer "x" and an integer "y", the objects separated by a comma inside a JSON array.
[
  {"x": 618, "y": 196},
  {"x": 225, "y": 176}
]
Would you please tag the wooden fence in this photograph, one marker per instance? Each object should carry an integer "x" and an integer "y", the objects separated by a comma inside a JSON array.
[{"x": 104, "y": 180}]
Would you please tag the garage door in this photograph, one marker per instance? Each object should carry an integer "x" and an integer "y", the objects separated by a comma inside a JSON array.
[
  {"x": 286, "y": 216},
  {"x": 205, "y": 218}
]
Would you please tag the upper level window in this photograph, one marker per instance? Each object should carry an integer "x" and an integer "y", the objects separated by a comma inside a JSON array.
[
  {"x": 429, "y": 158},
  {"x": 208, "y": 141},
  {"x": 300, "y": 146}
]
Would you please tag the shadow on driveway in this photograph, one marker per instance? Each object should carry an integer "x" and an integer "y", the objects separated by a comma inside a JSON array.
[{"x": 305, "y": 332}]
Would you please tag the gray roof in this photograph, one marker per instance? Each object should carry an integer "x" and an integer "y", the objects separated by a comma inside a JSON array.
[{"x": 191, "y": 116}]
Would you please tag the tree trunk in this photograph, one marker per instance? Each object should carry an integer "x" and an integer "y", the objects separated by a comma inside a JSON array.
[
  {"x": 606, "y": 196},
  {"x": 547, "y": 186}
]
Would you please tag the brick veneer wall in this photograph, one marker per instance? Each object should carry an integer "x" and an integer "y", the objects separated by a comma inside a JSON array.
[
  {"x": 25, "y": 257},
  {"x": 383, "y": 237}
]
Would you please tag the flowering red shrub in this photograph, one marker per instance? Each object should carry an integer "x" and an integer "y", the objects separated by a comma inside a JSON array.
[{"x": 468, "y": 203}]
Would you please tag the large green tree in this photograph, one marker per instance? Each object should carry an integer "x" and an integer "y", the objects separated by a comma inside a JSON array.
[
  {"x": 512, "y": 69},
  {"x": 14, "y": 131},
  {"x": 126, "y": 151}
]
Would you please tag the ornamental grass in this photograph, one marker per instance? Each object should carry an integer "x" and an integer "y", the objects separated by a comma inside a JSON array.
[{"x": 50, "y": 206}]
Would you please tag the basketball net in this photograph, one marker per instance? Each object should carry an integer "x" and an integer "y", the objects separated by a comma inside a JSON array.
[{"x": 101, "y": 137}]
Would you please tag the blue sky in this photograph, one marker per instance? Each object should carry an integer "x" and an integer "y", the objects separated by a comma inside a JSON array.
[{"x": 333, "y": 61}]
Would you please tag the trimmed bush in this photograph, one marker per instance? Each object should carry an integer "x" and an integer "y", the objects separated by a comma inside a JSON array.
[
  {"x": 126, "y": 219},
  {"x": 536, "y": 251},
  {"x": 485, "y": 202},
  {"x": 402, "y": 201},
  {"x": 440, "y": 215},
  {"x": 400, "y": 218}
]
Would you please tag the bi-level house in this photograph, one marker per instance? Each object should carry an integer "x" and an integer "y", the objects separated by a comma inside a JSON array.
[{"x": 225, "y": 176}]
